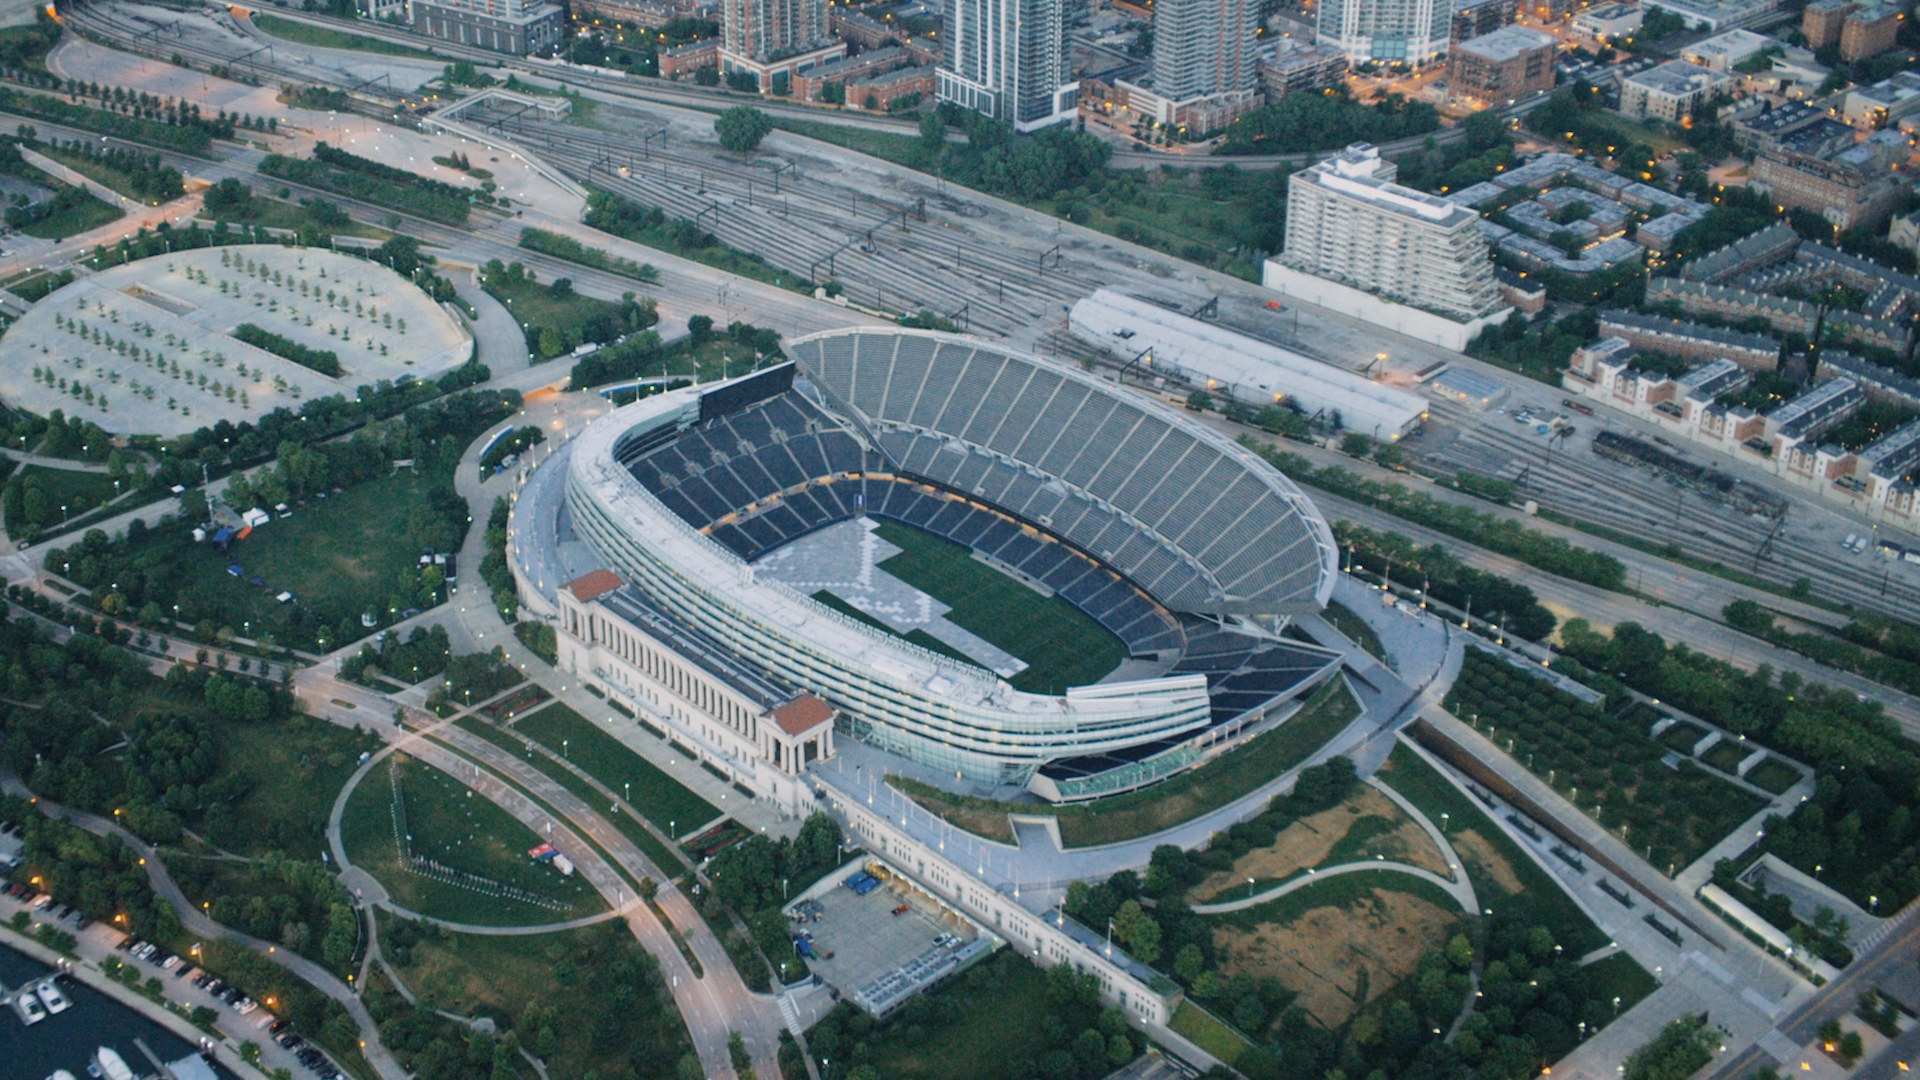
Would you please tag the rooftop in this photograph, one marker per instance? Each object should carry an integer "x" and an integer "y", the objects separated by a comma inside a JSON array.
[
  {"x": 1351, "y": 174},
  {"x": 802, "y": 714},
  {"x": 1507, "y": 43},
  {"x": 1673, "y": 77},
  {"x": 1660, "y": 324},
  {"x": 592, "y": 586},
  {"x": 1816, "y": 404}
]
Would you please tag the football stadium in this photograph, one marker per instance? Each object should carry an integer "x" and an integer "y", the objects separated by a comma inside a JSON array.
[{"x": 1064, "y": 524}]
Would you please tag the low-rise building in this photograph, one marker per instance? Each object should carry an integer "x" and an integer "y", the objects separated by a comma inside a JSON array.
[
  {"x": 1609, "y": 21},
  {"x": 1719, "y": 15},
  {"x": 1770, "y": 246},
  {"x": 647, "y": 14},
  {"x": 1869, "y": 30},
  {"x": 860, "y": 28},
  {"x": 1690, "y": 340},
  {"x": 1784, "y": 314},
  {"x": 1510, "y": 64},
  {"x": 775, "y": 76},
  {"x": 1764, "y": 130},
  {"x": 1478, "y": 18},
  {"x": 1203, "y": 114},
  {"x": 1290, "y": 65},
  {"x": 1884, "y": 103},
  {"x": 880, "y": 92},
  {"x": 1905, "y": 231},
  {"x": 689, "y": 58},
  {"x": 1857, "y": 186},
  {"x": 1722, "y": 51},
  {"x": 1668, "y": 92},
  {"x": 808, "y": 85}
]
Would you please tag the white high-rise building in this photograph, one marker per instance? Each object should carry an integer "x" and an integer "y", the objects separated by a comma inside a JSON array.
[
  {"x": 1407, "y": 31},
  {"x": 1359, "y": 243},
  {"x": 1008, "y": 59},
  {"x": 1204, "y": 47}
]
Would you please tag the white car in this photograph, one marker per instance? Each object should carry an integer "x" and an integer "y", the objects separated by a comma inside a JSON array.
[
  {"x": 31, "y": 1008},
  {"x": 50, "y": 994}
]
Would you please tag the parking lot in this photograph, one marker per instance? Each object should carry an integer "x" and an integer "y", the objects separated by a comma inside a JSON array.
[{"x": 860, "y": 940}]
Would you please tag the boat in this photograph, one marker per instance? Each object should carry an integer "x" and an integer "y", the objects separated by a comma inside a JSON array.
[
  {"x": 52, "y": 998},
  {"x": 30, "y": 1008},
  {"x": 61, "y": 1074},
  {"x": 112, "y": 1065}
]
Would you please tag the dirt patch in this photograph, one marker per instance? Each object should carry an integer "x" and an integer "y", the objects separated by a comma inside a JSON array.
[
  {"x": 1471, "y": 845},
  {"x": 1313, "y": 839},
  {"x": 1320, "y": 955}
]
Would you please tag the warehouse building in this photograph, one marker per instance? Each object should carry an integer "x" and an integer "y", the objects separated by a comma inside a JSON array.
[{"x": 1251, "y": 371}]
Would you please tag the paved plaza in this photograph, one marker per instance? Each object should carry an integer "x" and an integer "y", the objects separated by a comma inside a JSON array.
[
  {"x": 858, "y": 940},
  {"x": 147, "y": 348}
]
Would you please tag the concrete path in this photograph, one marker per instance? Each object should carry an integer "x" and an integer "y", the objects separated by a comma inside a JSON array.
[{"x": 1319, "y": 874}]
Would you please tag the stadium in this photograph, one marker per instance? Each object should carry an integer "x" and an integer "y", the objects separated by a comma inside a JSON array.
[{"x": 1181, "y": 553}]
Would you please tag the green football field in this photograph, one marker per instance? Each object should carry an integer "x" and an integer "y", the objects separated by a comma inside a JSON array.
[{"x": 1061, "y": 646}]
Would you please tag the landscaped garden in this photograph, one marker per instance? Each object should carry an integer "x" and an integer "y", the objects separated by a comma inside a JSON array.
[
  {"x": 665, "y": 801},
  {"x": 442, "y": 850},
  {"x": 586, "y": 1001},
  {"x": 1168, "y": 803},
  {"x": 1603, "y": 762},
  {"x": 554, "y": 318}
]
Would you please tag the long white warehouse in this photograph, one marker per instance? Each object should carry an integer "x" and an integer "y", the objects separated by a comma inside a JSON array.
[{"x": 1250, "y": 370}]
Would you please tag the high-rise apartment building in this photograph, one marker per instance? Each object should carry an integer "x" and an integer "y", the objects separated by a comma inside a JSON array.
[
  {"x": 1372, "y": 248},
  {"x": 1203, "y": 47},
  {"x": 1869, "y": 30},
  {"x": 1404, "y": 31},
  {"x": 1008, "y": 59}
]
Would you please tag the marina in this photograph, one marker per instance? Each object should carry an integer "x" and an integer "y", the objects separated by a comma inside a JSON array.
[{"x": 58, "y": 1029}]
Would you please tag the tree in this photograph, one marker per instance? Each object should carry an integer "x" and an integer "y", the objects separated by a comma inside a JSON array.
[
  {"x": 1356, "y": 444},
  {"x": 1199, "y": 401},
  {"x": 741, "y": 128},
  {"x": 700, "y": 327}
]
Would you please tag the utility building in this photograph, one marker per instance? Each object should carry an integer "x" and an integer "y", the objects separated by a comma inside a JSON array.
[
  {"x": 1008, "y": 59},
  {"x": 1246, "y": 369}
]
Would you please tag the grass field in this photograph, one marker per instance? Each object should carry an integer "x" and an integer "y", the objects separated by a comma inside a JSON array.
[
  {"x": 325, "y": 38},
  {"x": 977, "y": 1030},
  {"x": 70, "y": 493},
  {"x": 294, "y": 769},
  {"x": 629, "y": 826},
  {"x": 1773, "y": 775},
  {"x": 1725, "y": 755},
  {"x": 34, "y": 285},
  {"x": 1619, "y": 976},
  {"x": 82, "y": 215},
  {"x": 1164, "y": 805},
  {"x": 1208, "y": 1033},
  {"x": 665, "y": 801},
  {"x": 339, "y": 557},
  {"x": 1343, "y": 619},
  {"x": 1061, "y": 646},
  {"x": 532, "y": 304},
  {"x": 918, "y": 637},
  {"x": 461, "y": 830},
  {"x": 275, "y": 214},
  {"x": 1496, "y": 866},
  {"x": 577, "y": 973}
]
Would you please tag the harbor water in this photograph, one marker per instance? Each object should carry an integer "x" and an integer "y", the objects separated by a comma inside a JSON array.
[{"x": 68, "y": 1040}]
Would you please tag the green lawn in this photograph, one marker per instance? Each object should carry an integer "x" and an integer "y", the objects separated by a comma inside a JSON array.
[
  {"x": 70, "y": 493},
  {"x": 1540, "y": 897},
  {"x": 275, "y": 214},
  {"x": 631, "y": 828},
  {"x": 533, "y": 306},
  {"x": 665, "y": 801},
  {"x": 1726, "y": 754},
  {"x": 326, "y": 38},
  {"x": 458, "y": 829},
  {"x": 339, "y": 557},
  {"x": 1209, "y": 1034},
  {"x": 293, "y": 770},
  {"x": 1343, "y": 619},
  {"x": 1619, "y": 976},
  {"x": 1773, "y": 775},
  {"x": 598, "y": 981},
  {"x": 1166, "y": 804},
  {"x": 918, "y": 637},
  {"x": 84, "y": 212},
  {"x": 1061, "y": 645},
  {"x": 35, "y": 285},
  {"x": 977, "y": 1027}
]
